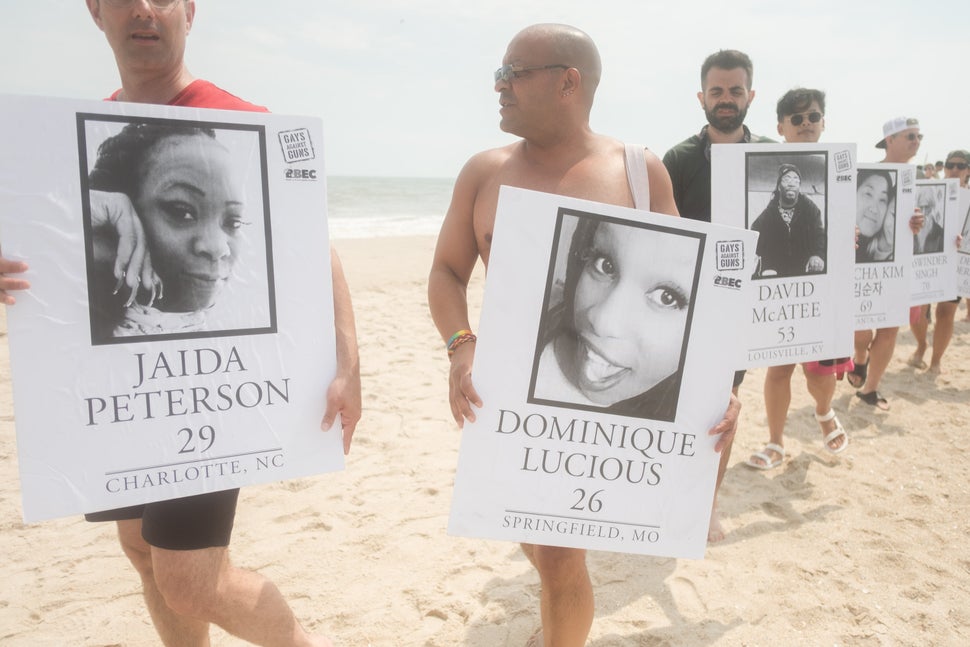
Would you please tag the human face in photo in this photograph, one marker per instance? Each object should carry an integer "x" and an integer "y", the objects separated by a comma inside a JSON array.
[
  {"x": 872, "y": 204},
  {"x": 788, "y": 187},
  {"x": 192, "y": 209},
  {"x": 805, "y": 131},
  {"x": 725, "y": 98},
  {"x": 630, "y": 310},
  {"x": 889, "y": 222},
  {"x": 145, "y": 37},
  {"x": 927, "y": 202}
]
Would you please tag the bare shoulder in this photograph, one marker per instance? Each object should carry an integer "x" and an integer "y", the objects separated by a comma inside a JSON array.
[
  {"x": 478, "y": 179},
  {"x": 466, "y": 231},
  {"x": 483, "y": 166},
  {"x": 661, "y": 188}
]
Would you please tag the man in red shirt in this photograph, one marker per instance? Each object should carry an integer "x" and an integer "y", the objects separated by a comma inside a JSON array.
[{"x": 194, "y": 584}]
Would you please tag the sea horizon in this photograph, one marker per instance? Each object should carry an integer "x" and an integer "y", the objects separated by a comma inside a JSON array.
[{"x": 378, "y": 206}]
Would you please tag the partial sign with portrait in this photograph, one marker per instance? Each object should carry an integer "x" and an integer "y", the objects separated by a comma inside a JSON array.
[
  {"x": 885, "y": 195},
  {"x": 963, "y": 258},
  {"x": 935, "y": 254},
  {"x": 178, "y": 336},
  {"x": 601, "y": 364},
  {"x": 799, "y": 198}
]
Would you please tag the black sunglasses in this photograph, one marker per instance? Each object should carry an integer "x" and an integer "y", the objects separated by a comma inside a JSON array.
[
  {"x": 960, "y": 165},
  {"x": 814, "y": 117}
]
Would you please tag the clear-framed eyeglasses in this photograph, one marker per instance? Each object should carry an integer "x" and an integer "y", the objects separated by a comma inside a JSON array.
[{"x": 509, "y": 72}]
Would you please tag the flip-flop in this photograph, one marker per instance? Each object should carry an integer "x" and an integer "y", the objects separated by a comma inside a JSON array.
[
  {"x": 766, "y": 461},
  {"x": 839, "y": 431},
  {"x": 860, "y": 372},
  {"x": 874, "y": 399}
]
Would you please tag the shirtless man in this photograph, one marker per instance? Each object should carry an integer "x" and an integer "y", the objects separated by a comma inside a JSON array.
[
  {"x": 188, "y": 587},
  {"x": 546, "y": 86}
]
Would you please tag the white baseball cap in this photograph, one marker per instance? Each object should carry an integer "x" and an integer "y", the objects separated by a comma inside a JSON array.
[{"x": 897, "y": 125}]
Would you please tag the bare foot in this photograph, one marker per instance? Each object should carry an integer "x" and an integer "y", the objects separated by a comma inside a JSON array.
[
  {"x": 715, "y": 531},
  {"x": 320, "y": 641},
  {"x": 935, "y": 369},
  {"x": 916, "y": 361}
]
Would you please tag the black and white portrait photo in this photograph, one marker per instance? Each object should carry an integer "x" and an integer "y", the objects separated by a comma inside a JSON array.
[
  {"x": 875, "y": 215},
  {"x": 177, "y": 229},
  {"x": 786, "y": 205},
  {"x": 931, "y": 198},
  {"x": 616, "y": 318}
]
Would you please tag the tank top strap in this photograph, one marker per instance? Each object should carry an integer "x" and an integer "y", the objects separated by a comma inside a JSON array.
[{"x": 636, "y": 174}]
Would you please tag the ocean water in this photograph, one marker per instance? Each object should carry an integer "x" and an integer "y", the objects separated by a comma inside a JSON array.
[{"x": 367, "y": 207}]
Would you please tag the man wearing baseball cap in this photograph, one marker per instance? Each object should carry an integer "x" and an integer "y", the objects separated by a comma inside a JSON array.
[
  {"x": 873, "y": 350},
  {"x": 901, "y": 139}
]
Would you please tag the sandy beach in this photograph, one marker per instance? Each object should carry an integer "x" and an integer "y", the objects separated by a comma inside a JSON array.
[{"x": 867, "y": 548}]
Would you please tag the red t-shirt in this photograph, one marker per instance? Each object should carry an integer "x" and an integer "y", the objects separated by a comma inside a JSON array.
[{"x": 202, "y": 94}]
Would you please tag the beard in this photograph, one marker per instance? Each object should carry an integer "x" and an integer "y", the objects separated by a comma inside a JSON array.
[
  {"x": 727, "y": 123},
  {"x": 787, "y": 199}
]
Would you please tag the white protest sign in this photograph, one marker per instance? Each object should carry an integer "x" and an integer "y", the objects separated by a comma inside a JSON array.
[
  {"x": 801, "y": 199},
  {"x": 885, "y": 195},
  {"x": 935, "y": 253},
  {"x": 602, "y": 365},
  {"x": 963, "y": 258},
  {"x": 211, "y": 373}
]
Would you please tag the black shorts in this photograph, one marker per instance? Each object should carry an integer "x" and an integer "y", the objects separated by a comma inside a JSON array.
[
  {"x": 738, "y": 378},
  {"x": 189, "y": 523}
]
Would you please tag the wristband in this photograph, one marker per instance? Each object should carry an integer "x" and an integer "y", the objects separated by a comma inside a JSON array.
[{"x": 459, "y": 338}]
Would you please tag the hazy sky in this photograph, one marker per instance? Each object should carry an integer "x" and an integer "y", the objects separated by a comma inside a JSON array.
[{"x": 404, "y": 87}]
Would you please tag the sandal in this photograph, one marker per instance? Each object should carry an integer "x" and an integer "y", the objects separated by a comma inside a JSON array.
[
  {"x": 766, "y": 462},
  {"x": 860, "y": 372},
  {"x": 874, "y": 399},
  {"x": 835, "y": 434}
]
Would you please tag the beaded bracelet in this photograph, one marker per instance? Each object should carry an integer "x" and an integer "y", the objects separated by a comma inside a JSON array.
[{"x": 459, "y": 338}]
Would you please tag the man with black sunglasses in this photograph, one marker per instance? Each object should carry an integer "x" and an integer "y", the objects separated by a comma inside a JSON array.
[
  {"x": 801, "y": 119},
  {"x": 900, "y": 139},
  {"x": 180, "y": 548},
  {"x": 957, "y": 166},
  {"x": 726, "y": 94},
  {"x": 801, "y": 115}
]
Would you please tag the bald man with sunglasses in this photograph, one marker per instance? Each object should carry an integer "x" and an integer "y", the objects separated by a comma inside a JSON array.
[{"x": 545, "y": 86}]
